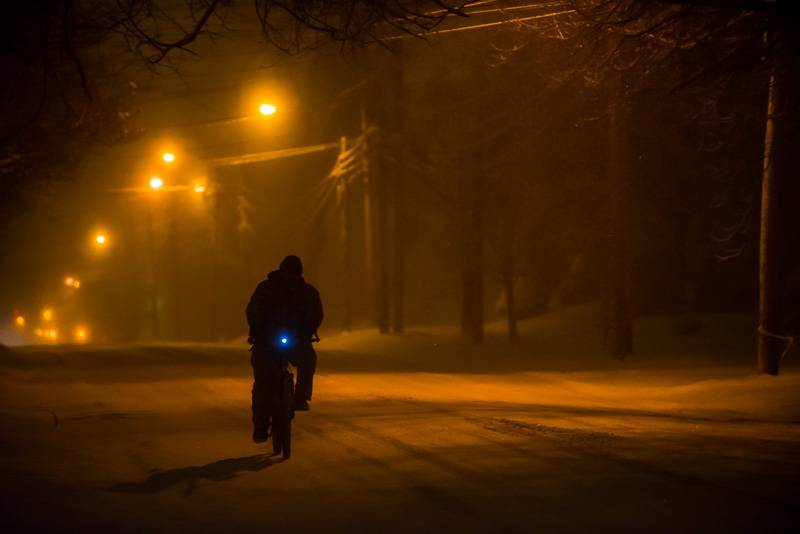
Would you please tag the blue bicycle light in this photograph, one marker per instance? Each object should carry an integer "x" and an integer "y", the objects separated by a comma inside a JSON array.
[{"x": 284, "y": 341}]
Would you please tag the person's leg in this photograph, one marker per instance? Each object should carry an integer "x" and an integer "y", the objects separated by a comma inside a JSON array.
[
  {"x": 260, "y": 395},
  {"x": 306, "y": 367}
]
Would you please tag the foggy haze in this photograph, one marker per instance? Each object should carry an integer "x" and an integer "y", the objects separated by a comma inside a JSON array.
[{"x": 556, "y": 246}]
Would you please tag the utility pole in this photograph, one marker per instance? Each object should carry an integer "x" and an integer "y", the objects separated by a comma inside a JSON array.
[
  {"x": 343, "y": 202},
  {"x": 153, "y": 281},
  {"x": 369, "y": 245},
  {"x": 175, "y": 259},
  {"x": 779, "y": 168},
  {"x": 378, "y": 214}
]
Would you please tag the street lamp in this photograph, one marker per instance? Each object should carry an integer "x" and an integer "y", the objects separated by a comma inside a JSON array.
[
  {"x": 100, "y": 239},
  {"x": 20, "y": 321},
  {"x": 47, "y": 314},
  {"x": 81, "y": 334},
  {"x": 156, "y": 183},
  {"x": 267, "y": 109},
  {"x": 199, "y": 187},
  {"x": 71, "y": 281},
  {"x": 168, "y": 157}
]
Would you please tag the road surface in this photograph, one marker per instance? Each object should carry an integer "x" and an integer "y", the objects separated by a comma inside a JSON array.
[{"x": 148, "y": 451}]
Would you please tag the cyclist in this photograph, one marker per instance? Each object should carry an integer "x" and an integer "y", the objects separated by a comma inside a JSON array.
[{"x": 284, "y": 313}]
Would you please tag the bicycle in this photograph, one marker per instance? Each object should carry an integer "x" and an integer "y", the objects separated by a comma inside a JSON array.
[
  {"x": 281, "y": 388},
  {"x": 282, "y": 411}
]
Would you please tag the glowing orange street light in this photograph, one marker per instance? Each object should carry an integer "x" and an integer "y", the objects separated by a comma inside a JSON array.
[
  {"x": 267, "y": 109},
  {"x": 101, "y": 239},
  {"x": 156, "y": 183},
  {"x": 199, "y": 187},
  {"x": 71, "y": 281},
  {"x": 47, "y": 314},
  {"x": 81, "y": 334},
  {"x": 168, "y": 157},
  {"x": 20, "y": 321}
]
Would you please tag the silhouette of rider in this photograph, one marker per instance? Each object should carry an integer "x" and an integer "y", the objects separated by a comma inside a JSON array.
[{"x": 283, "y": 309}]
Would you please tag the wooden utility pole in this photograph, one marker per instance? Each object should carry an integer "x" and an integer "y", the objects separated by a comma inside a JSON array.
[
  {"x": 175, "y": 265},
  {"x": 343, "y": 203},
  {"x": 382, "y": 249},
  {"x": 780, "y": 165},
  {"x": 153, "y": 272},
  {"x": 376, "y": 206},
  {"x": 366, "y": 169}
]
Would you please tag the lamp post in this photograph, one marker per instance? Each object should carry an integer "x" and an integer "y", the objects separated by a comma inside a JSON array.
[{"x": 156, "y": 183}]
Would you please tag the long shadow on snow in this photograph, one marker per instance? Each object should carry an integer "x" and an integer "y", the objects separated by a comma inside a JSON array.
[{"x": 218, "y": 471}]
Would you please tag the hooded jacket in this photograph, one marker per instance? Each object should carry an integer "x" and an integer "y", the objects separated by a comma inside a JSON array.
[{"x": 284, "y": 301}]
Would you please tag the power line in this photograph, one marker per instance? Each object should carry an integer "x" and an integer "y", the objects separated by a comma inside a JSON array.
[{"x": 270, "y": 155}]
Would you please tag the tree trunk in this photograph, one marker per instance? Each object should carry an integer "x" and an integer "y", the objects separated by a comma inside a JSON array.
[
  {"x": 511, "y": 308},
  {"x": 398, "y": 259},
  {"x": 382, "y": 249},
  {"x": 620, "y": 320},
  {"x": 471, "y": 251},
  {"x": 397, "y": 195}
]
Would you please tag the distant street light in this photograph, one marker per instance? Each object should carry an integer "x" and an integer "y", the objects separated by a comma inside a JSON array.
[
  {"x": 267, "y": 109},
  {"x": 100, "y": 239},
  {"x": 156, "y": 183},
  {"x": 20, "y": 321},
  {"x": 168, "y": 157},
  {"x": 47, "y": 314},
  {"x": 81, "y": 334},
  {"x": 199, "y": 187},
  {"x": 72, "y": 282}
]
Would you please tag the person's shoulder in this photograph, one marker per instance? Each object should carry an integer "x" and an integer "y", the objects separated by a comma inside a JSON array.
[
  {"x": 311, "y": 290},
  {"x": 266, "y": 285},
  {"x": 262, "y": 285}
]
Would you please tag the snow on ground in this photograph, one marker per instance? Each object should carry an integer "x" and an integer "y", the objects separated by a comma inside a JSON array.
[{"x": 421, "y": 432}]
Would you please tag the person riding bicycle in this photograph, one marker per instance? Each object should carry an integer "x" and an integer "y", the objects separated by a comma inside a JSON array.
[{"x": 284, "y": 311}]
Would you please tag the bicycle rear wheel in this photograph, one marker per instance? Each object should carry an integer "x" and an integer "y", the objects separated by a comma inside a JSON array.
[{"x": 285, "y": 423}]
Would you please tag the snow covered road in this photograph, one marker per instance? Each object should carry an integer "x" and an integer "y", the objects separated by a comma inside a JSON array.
[{"x": 665, "y": 451}]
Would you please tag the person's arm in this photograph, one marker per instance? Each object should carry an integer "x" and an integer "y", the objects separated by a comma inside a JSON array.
[
  {"x": 254, "y": 311},
  {"x": 315, "y": 314}
]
